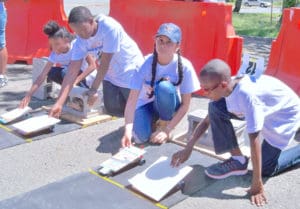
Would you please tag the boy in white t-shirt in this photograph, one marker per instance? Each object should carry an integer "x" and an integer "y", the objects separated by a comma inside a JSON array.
[
  {"x": 269, "y": 107},
  {"x": 118, "y": 58},
  {"x": 160, "y": 90}
]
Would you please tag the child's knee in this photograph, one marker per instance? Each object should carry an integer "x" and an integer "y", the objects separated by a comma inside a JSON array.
[{"x": 165, "y": 86}]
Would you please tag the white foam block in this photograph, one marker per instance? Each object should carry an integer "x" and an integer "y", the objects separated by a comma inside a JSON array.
[
  {"x": 13, "y": 114},
  {"x": 35, "y": 124},
  {"x": 159, "y": 178}
]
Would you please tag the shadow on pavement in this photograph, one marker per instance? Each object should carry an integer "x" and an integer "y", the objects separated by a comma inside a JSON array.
[{"x": 111, "y": 142}]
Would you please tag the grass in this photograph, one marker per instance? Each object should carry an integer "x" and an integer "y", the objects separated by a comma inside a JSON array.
[{"x": 256, "y": 24}]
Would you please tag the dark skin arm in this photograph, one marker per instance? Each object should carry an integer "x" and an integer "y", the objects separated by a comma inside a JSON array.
[
  {"x": 101, "y": 72},
  {"x": 66, "y": 87},
  {"x": 91, "y": 67},
  {"x": 257, "y": 189},
  {"x": 183, "y": 155}
]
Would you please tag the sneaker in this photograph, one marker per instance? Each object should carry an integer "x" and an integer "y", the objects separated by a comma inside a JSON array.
[
  {"x": 297, "y": 136},
  {"x": 230, "y": 167},
  {"x": 3, "y": 81}
]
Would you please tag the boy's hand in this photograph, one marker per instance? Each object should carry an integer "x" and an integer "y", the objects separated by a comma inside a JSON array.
[
  {"x": 55, "y": 111},
  {"x": 257, "y": 194},
  {"x": 92, "y": 96},
  {"x": 180, "y": 157}
]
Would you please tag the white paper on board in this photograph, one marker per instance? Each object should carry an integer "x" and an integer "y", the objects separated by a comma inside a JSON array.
[
  {"x": 159, "y": 178},
  {"x": 14, "y": 114},
  {"x": 35, "y": 124}
]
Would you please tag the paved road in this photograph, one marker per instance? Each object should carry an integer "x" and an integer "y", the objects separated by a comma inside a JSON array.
[{"x": 253, "y": 9}]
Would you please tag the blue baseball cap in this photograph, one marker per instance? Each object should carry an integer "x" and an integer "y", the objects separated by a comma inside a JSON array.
[{"x": 170, "y": 30}]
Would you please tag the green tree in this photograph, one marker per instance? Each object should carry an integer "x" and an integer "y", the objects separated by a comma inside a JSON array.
[
  {"x": 238, "y": 5},
  {"x": 287, "y": 4}
]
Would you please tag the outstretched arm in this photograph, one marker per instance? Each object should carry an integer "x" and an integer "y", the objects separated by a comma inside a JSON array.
[
  {"x": 37, "y": 83},
  {"x": 183, "y": 155},
  {"x": 91, "y": 67},
  {"x": 129, "y": 117},
  {"x": 101, "y": 72},
  {"x": 66, "y": 87},
  {"x": 257, "y": 189}
]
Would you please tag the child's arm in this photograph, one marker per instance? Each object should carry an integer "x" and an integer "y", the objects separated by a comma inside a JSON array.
[
  {"x": 257, "y": 189},
  {"x": 37, "y": 83},
  {"x": 91, "y": 67},
  {"x": 183, "y": 155},
  {"x": 129, "y": 117},
  {"x": 66, "y": 87},
  {"x": 101, "y": 72}
]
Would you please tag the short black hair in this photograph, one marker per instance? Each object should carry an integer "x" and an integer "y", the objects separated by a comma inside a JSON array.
[
  {"x": 216, "y": 69},
  {"x": 80, "y": 14}
]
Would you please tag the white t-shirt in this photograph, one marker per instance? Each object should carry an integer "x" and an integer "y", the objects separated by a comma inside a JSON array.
[
  {"x": 64, "y": 59},
  {"x": 269, "y": 106},
  {"x": 142, "y": 78},
  {"x": 112, "y": 38}
]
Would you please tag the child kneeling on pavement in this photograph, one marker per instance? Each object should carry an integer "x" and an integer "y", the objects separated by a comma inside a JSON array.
[{"x": 269, "y": 107}]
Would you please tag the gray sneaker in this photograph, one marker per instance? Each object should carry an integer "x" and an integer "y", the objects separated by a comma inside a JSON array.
[
  {"x": 297, "y": 136},
  {"x": 230, "y": 167},
  {"x": 3, "y": 81}
]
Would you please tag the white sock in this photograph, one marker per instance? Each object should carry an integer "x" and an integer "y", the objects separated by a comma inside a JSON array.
[
  {"x": 240, "y": 158},
  {"x": 2, "y": 76}
]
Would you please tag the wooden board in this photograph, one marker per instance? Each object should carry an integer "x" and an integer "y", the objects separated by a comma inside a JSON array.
[
  {"x": 180, "y": 139},
  {"x": 84, "y": 122}
]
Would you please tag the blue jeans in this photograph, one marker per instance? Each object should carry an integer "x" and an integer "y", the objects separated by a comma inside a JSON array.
[
  {"x": 166, "y": 103},
  {"x": 3, "y": 20},
  {"x": 114, "y": 98},
  {"x": 274, "y": 160},
  {"x": 57, "y": 74}
]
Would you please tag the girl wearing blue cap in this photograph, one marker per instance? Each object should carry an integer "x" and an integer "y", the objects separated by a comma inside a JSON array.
[{"x": 160, "y": 90}]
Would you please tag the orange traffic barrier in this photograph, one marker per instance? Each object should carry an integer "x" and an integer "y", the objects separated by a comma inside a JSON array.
[
  {"x": 207, "y": 30},
  {"x": 25, "y": 37},
  {"x": 285, "y": 50}
]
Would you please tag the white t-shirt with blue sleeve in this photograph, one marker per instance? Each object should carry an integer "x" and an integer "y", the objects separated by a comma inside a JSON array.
[
  {"x": 142, "y": 78},
  {"x": 112, "y": 38},
  {"x": 269, "y": 106}
]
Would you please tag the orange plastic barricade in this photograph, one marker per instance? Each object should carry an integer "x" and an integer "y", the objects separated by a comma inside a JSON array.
[
  {"x": 283, "y": 61},
  {"x": 25, "y": 37},
  {"x": 207, "y": 30}
]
